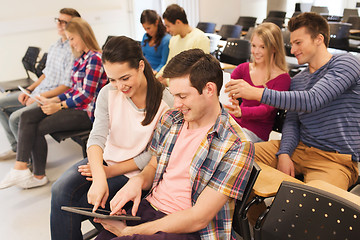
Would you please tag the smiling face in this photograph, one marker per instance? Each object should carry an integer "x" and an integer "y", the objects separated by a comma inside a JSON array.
[
  {"x": 188, "y": 100},
  {"x": 61, "y": 24},
  {"x": 130, "y": 81},
  {"x": 172, "y": 29},
  {"x": 76, "y": 42},
  {"x": 303, "y": 46},
  {"x": 258, "y": 50},
  {"x": 150, "y": 29}
]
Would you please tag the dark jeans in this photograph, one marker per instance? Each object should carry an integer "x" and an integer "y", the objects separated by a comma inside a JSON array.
[
  {"x": 34, "y": 125},
  {"x": 148, "y": 213},
  {"x": 71, "y": 190}
]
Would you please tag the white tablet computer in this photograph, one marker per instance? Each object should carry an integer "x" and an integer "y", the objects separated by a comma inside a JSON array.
[
  {"x": 100, "y": 213},
  {"x": 224, "y": 98},
  {"x": 33, "y": 97}
]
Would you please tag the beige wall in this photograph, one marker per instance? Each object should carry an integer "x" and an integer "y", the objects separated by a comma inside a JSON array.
[
  {"x": 31, "y": 23},
  {"x": 228, "y": 11},
  {"x": 26, "y": 23}
]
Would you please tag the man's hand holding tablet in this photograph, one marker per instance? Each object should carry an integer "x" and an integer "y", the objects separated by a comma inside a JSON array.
[{"x": 30, "y": 95}]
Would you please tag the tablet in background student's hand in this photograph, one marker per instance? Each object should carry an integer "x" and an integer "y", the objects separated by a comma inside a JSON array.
[{"x": 30, "y": 95}]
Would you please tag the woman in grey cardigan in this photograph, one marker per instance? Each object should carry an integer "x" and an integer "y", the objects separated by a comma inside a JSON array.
[{"x": 126, "y": 114}]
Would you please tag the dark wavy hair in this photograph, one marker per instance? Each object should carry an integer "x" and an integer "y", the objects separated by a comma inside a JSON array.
[
  {"x": 150, "y": 16},
  {"x": 126, "y": 50}
]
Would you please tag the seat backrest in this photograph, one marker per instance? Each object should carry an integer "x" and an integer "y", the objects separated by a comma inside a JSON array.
[
  {"x": 339, "y": 35},
  {"x": 278, "y": 21},
  {"x": 349, "y": 12},
  {"x": 319, "y": 9},
  {"x": 286, "y": 37},
  {"x": 29, "y": 59},
  {"x": 279, "y": 120},
  {"x": 355, "y": 22},
  {"x": 41, "y": 65},
  {"x": 240, "y": 205},
  {"x": 206, "y": 27},
  {"x": 331, "y": 18},
  {"x": 277, "y": 14},
  {"x": 303, "y": 212},
  {"x": 296, "y": 13},
  {"x": 246, "y": 22},
  {"x": 339, "y": 30},
  {"x": 236, "y": 51},
  {"x": 230, "y": 31},
  {"x": 249, "y": 34}
]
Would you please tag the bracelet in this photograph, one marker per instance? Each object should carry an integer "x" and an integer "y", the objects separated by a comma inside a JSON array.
[{"x": 29, "y": 90}]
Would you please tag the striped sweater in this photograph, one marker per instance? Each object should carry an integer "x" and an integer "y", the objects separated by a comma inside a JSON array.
[{"x": 323, "y": 108}]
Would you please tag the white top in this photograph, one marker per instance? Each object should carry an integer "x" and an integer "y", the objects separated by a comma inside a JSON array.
[{"x": 118, "y": 130}]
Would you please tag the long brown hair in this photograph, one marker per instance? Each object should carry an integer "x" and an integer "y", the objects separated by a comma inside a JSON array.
[
  {"x": 80, "y": 27},
  {"x": 150, "y": 17},
  {"x": 126, "y": 50},
  {"x": 271, "y": 35}
]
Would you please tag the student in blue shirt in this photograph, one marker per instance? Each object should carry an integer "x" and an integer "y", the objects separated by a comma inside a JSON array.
[{"x": 155, "y": 43}]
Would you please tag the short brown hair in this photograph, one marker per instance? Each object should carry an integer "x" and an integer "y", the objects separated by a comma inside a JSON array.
[
  {"x": 201, "y": 68},
  {"x": 174, "y": 12},
  {"x": 70, "y": 11},
  {"x": 314, "y": 24}
]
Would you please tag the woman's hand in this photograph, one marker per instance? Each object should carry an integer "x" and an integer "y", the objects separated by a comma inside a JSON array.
[
  {"x": 98, "y": 193},
  {"x": 238, "y": 88},
  {"x": 49, "y": 105},
  {"x": 85, "y": 171},
  {"x": 50, "y": 108},
  {"x": 234, "y": 108}
]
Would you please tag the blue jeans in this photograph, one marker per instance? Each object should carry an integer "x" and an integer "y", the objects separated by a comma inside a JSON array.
[
  {"x": 71, "y": 190},
  {"x": 10, "y": 112}
]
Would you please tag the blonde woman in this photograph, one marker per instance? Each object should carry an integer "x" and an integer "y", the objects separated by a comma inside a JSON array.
[
  {"x": 72, "y": 110},
  {"x": 266, "y": 69}
]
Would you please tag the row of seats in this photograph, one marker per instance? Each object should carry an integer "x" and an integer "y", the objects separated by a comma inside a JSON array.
[{"x": 33, "y": 66}]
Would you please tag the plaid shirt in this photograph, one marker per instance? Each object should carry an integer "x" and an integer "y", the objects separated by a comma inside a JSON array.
[
  {"x": 88, "y": 77},
  {"x": 58, "y": 66},
  {"x": 222, "y": 162}
]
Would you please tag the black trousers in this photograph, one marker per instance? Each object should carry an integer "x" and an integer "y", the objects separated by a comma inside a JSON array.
[{"x": 34, "y": 125}]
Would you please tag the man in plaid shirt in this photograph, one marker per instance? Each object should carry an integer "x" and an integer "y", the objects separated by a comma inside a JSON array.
[{"x": 201, "y": 162}]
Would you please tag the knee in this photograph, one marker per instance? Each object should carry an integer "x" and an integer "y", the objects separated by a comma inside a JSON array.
[
  {"x": 57, "y": 190},
  {"x": 14, "y": 119},
  {"x": 68, "y": 184},
  {"x": 23, "y": 117}
]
